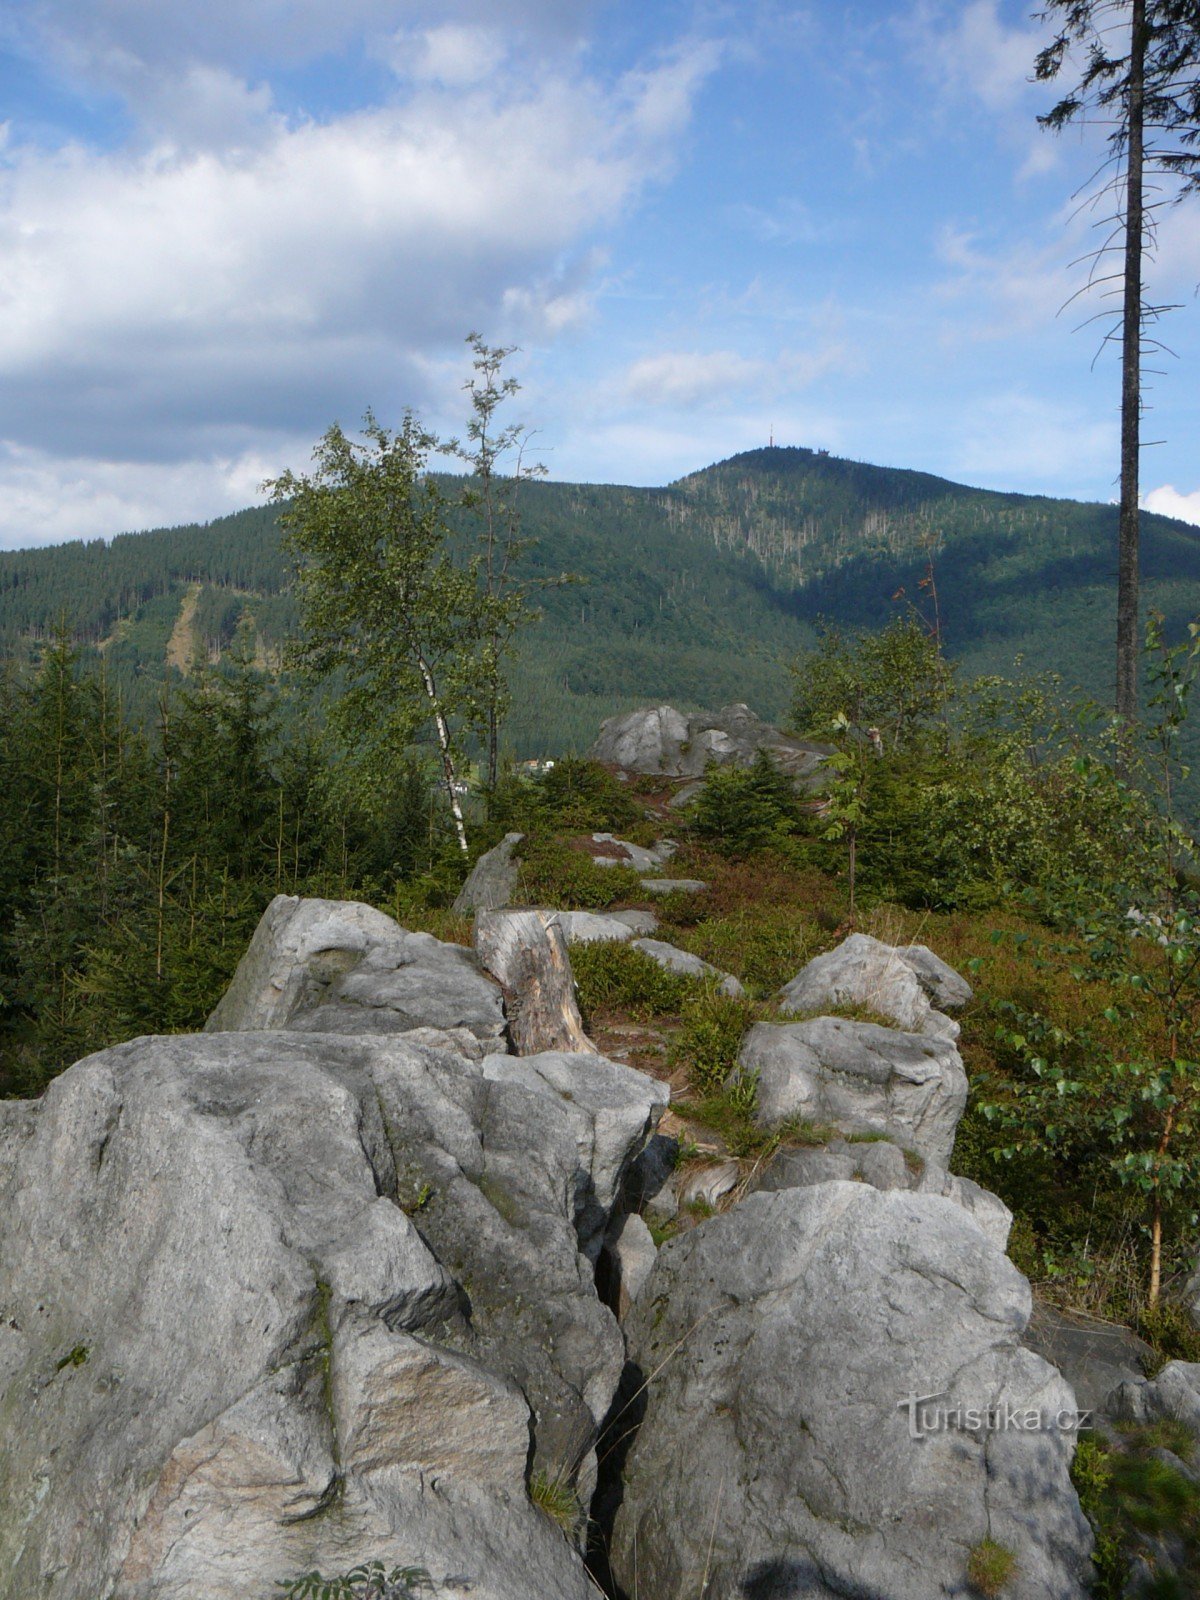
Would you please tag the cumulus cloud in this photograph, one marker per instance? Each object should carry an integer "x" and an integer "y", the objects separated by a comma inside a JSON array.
[
  {"x": 686, "y": 379},
  {"x": 183, "y": 301},
  {"x": 49, "y": 498},
  {"x": 1169, "y": 502}
]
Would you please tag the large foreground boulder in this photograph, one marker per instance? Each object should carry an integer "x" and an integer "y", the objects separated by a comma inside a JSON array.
[
  {"x": 860, "y": 1078},
  {"x": 662, "y": 741},
  {"x": 336, "y": 966},
  {"x": 277, "y": 1301},
  {"x": 786, "y": 1348}
]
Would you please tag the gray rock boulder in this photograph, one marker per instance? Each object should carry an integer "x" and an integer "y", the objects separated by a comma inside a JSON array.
[
  {"x": 626, "y": 1263},
  {"x": 612, "y": 1111},
  {"x": 1098, "y": 1359},
  {"x": 641, "y": 922},
  {"x": 639, "y": 857},
  {"x": 674, "y": 886},
  {"x": 785, "y": 1345},
  {"x": 1173, "y": 1395},
  {"x": 492, "y": 881},
  {"x": 859, "y": 1077},
  {"x": 336, "y": 966},
  {"x": 593, "y": 927},
  {"x": 884, "y": 1166},
  {"x": 947, "y": 989},
  {"x": 864, "y": 972},
  {"x": 687, "y": 965},
  {"x": 276, "y": 1301},
  {"x": 660, "y": 740}
]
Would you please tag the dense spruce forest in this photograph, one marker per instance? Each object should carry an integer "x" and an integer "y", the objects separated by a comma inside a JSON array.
[
  {"x": 697, "y": 594},
  {"x": 169, "y": 772}
]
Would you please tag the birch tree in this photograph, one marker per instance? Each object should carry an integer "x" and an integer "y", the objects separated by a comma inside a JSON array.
[{"x": 383, "y": 605}]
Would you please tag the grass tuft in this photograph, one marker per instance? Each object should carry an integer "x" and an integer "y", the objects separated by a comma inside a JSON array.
[{"x": 990, "y": 1567}]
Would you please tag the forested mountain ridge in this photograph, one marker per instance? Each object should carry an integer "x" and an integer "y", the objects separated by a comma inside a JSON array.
[{"x": 696, "y": 592}]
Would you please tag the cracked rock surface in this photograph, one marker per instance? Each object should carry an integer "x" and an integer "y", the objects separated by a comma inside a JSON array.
[
  {"x": 337, "y": 966},
  {"x": 778, "y": 1342},
  {"x": 275, "y": 1301}
]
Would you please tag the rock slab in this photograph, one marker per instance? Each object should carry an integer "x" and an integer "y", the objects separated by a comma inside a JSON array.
[
  {"x": 492, "y": 881},
  {"x": 891, "y": 981},
  {"x": 672, "y": 959}
]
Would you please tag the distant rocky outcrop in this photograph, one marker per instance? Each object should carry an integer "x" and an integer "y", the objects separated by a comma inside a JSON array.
[{"x": 663, "y": 741}]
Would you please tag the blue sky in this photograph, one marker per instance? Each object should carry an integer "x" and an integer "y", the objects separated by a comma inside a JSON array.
[{"x": 224, "y": 226}]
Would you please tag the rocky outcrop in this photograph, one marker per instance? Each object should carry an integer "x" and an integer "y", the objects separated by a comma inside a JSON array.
[
  {"x": 335, "y": 966},
  {"x": 614, "y": 852},
  {"x": 593, "y": 927},
  {"x": 859, "y": 1077},
  {"x": 492, "y": 881},
  {"x": 674, "y": 886},
  {"x": 672, "y": 959},
  {"x": 783, "y": 1346},
  {"x": 612, "y": 1111},
  {"x": 1173, "y": 1395},
  {"x": 663, "y": 741},
  {"x": 884, "y": 1166},
  {"x": 898, "y": 983},
  {"x": 526, "y": 951},
  {"x": 1096, "y": 1358},
  {"x": 277, "y": 1301}
]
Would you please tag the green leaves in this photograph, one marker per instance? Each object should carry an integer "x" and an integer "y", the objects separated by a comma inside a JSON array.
[{"x": 369, "y": 1581}]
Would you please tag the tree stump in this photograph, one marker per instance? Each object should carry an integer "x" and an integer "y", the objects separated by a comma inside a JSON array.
[{"x": 526, "y": 951}]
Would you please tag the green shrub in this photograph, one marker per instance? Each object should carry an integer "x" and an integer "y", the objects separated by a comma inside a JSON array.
[
  {"x": 552, "y": 873},
  {"x": 618, "y": 975},
  {"x": 557, "y": 1498},
  {"x": 1168, "y": 1327},
  {"x": 575, "y": 796},
  {"x": 744, "y": 809},
  {"x": 371, "y": 1581},
  {"x": 710, "y": 1037}
]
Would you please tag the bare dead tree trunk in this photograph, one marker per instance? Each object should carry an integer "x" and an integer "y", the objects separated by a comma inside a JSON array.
[{"x": 1131, "y": 376}]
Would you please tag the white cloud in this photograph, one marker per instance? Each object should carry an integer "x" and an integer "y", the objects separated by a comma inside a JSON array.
[
  {"x": 1019, "y": 439},
  {"x": 186, "y": 302},
  {"x": 1169, "y": 502},
  {"x": 455, "y": 54},
  {"x": 48, "y": 498},
  {"x": 686, "y": 379}
]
